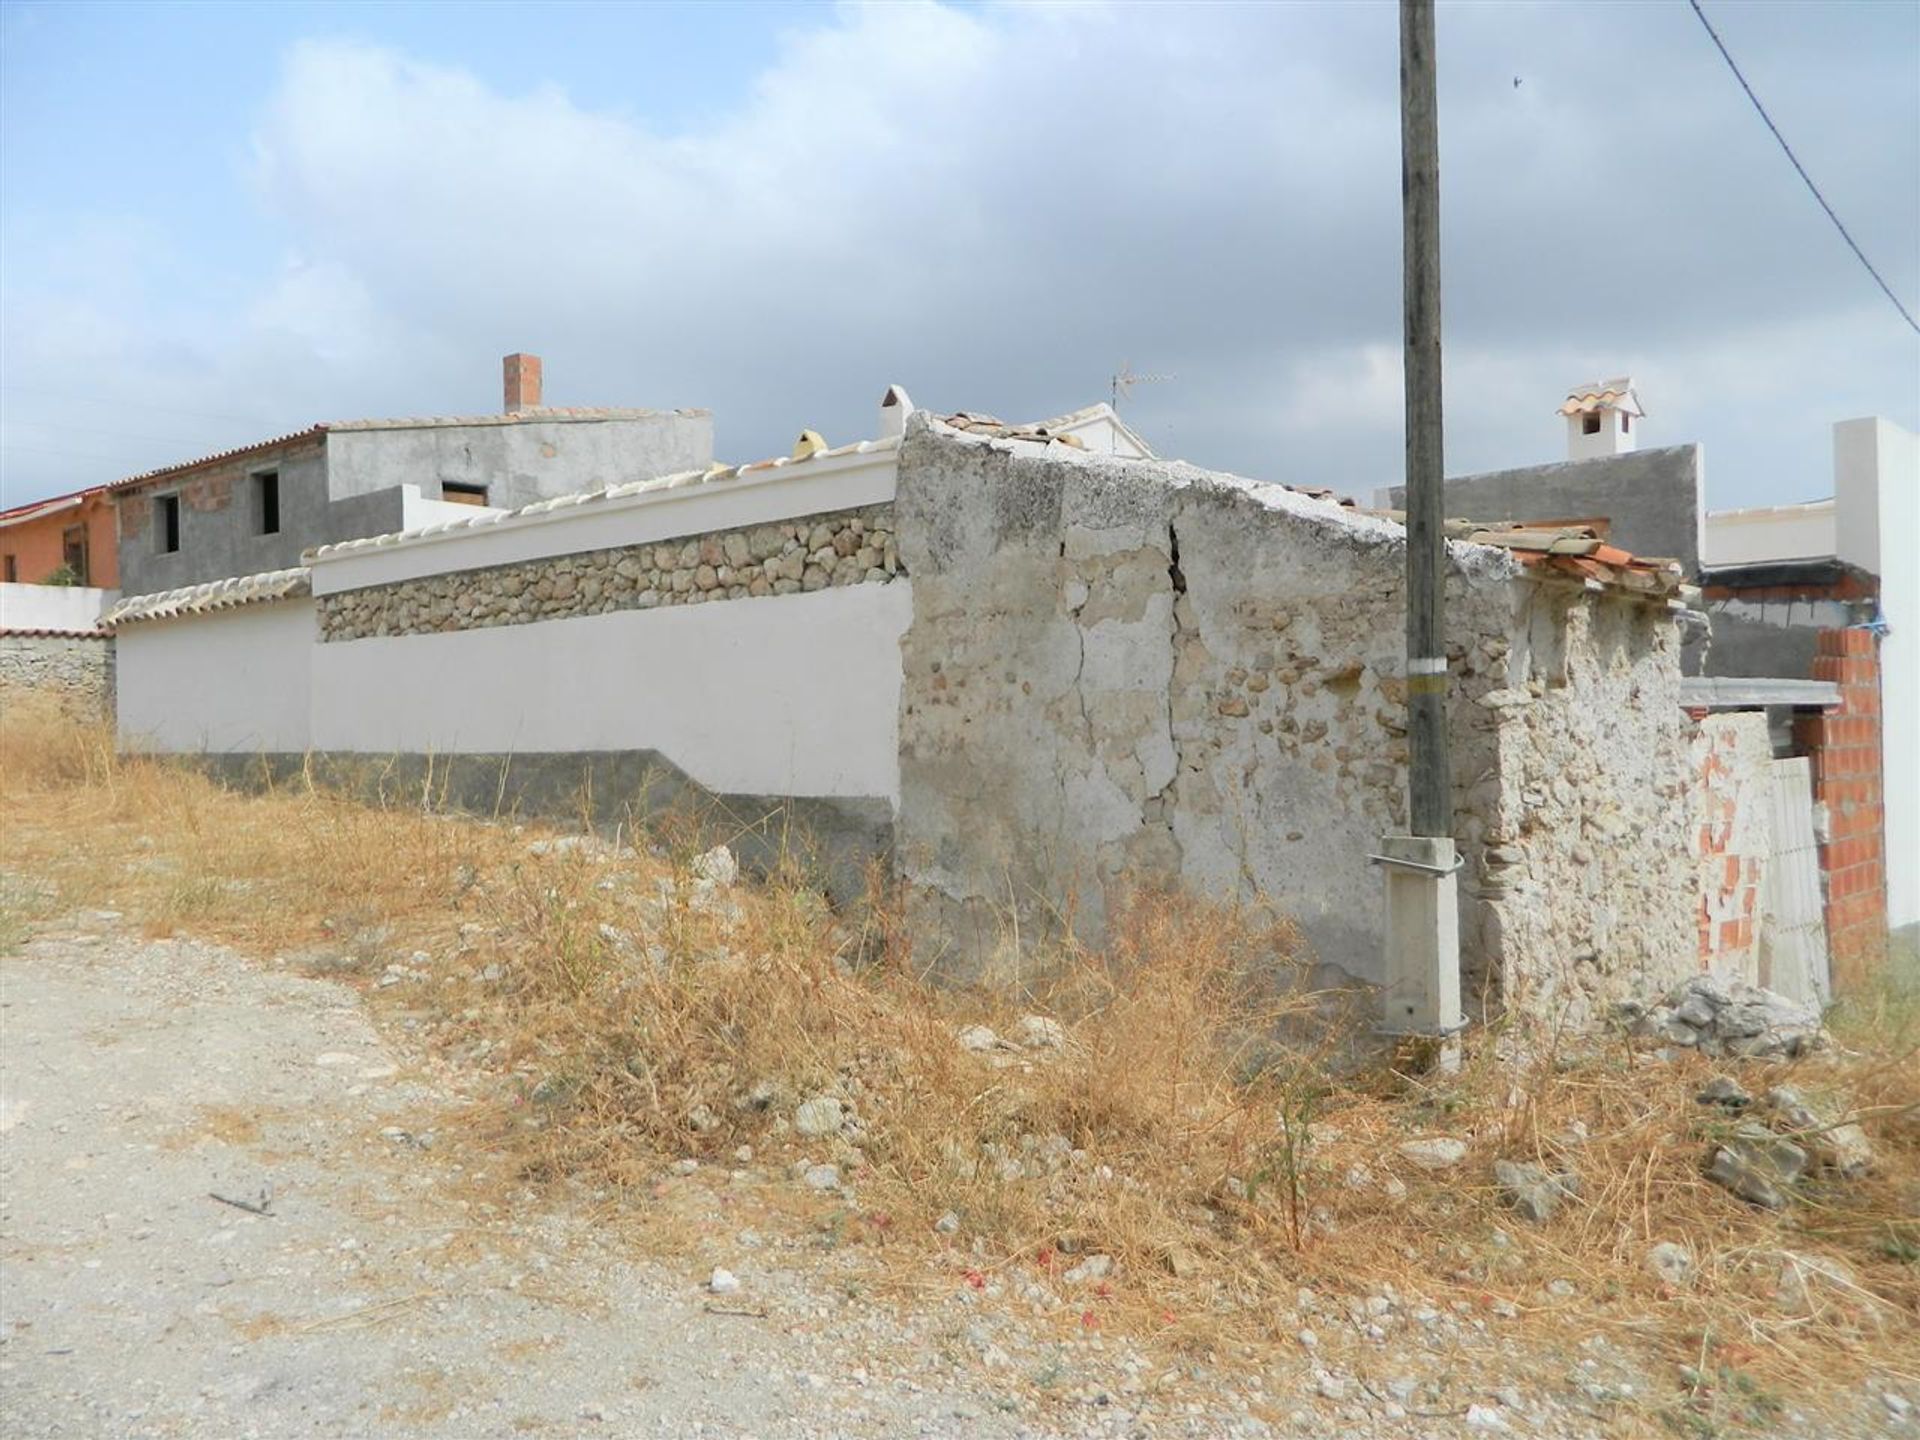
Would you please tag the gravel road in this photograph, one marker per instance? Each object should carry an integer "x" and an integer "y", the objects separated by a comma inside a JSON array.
[{"x": 373, "y": 1297}]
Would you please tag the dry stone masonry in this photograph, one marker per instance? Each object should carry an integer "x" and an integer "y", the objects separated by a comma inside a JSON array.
[
  {"x": 849, "y": 547},
  {"x": 74, "y": 672}
]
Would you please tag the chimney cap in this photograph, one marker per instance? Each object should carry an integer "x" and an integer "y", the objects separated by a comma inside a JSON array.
[{"x": 1615, "y": 394}]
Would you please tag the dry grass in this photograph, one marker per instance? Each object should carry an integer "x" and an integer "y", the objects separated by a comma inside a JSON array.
[{"x": 1192, "y": 1126}]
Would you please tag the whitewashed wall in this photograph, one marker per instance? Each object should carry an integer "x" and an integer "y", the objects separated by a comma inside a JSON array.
[
  {"x": 75, "y": 608},
  {"x": 1876, "y": 479},
  {"x": 1775, "y": 532},
  {"x": 229, "y": 681},
  {"x": 786, "y": 695}
]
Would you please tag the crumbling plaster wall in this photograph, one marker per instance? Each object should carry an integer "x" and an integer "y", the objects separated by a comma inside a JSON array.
[
  {"x": 1585, "y": 887},
  {"x": 1122, "y": 672}
]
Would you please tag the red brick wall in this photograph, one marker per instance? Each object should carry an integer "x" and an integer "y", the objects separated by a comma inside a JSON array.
[{"x": 1844, "y": 745}]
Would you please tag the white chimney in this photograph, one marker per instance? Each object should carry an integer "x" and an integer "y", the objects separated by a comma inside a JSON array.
[
  {"x": 1602, "y": 418},
  {"x": 895, "y": 407}
]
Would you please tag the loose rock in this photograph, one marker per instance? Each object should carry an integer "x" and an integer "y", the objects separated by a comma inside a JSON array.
[
  {"x": 1757, "y": 1165},
  {"x": 1438, "y": 1154},
  {"x": 822, "y": 1115},
  {"x": 1671, "y": 1264},
  {"x": 1532, "y": 1190}
]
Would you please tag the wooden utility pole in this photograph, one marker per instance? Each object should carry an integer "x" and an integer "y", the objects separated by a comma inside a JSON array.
[{"x": 1429, "y": 775}]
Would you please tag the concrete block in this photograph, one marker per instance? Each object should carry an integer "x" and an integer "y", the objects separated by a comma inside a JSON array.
[{"x": 1421, "y": 995}]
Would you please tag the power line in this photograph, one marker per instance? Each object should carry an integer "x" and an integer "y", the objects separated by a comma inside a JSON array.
[{"x": 1887, "y": 289}]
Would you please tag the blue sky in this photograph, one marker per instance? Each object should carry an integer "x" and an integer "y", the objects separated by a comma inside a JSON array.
[{"x": 218, "y": 222}]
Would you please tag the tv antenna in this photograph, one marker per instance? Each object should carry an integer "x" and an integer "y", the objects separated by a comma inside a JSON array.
[{"x": 1125, "y": 379}]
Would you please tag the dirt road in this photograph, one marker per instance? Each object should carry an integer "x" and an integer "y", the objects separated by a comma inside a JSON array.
[{"x": 143, "y": 1077}]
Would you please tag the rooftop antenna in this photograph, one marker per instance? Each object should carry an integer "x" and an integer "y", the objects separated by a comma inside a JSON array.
[{"x": 1124, "y": 380}]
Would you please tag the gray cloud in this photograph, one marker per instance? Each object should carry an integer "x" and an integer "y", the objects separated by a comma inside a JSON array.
[{"x": 997, "y": 208}]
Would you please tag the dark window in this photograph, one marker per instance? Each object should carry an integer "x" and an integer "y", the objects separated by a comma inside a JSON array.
[
  {"x": 9, "y": 569},
  {"x": 73, "y": 547},
  {"x": 166, "y": 524},
  {"x": 463, "y": 494},
  {"x": 1590, "y": 423},
  {"x": 1626, "y": 423},
  {"x": 266, "y": 503}
]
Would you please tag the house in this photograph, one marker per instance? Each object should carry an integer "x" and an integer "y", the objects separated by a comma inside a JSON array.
[
  {"x": 259, "y": 507},
  {"x": 1023, "y": 673},
  {"x": 1806, "y": 630},
  {"x": 69, "y": 539}
]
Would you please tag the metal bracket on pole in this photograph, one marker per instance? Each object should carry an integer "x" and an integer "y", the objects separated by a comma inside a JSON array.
[{"x": 1459, "y": 864}]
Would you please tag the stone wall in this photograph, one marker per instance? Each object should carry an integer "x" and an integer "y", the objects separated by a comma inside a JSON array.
[
  {"x": 1585, "y": 887},
  {"x": 850, "y": 547},
  {"x": 1121, "y": 672},
  {"x": 72, "y": 671}
]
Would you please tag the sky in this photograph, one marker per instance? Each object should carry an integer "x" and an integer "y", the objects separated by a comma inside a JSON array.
[{"x": 221, "y": 222}]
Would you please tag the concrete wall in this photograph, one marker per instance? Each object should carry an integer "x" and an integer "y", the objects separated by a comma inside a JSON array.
[
  {"x": 74, "y": 672},
  {"x": 53, "y": 607},
  {"x": 235, "y": 681},
  {"x": 1876, "y": 478},
  {"x": 219, "y": 525},
  {"x": 1762, "y": 634},
  {"x": 519, "y": 461},
  {"x": 1652, "y": 499},
  {"x": 1131, "y": 672}
]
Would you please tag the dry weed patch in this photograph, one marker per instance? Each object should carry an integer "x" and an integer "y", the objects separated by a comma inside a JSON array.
[{"x": 1171, "y": 1138}]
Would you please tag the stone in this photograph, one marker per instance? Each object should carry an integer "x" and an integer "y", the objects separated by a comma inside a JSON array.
[
  {"x": 822, "y": 1115},
  {"x": 1757, "y": 1165},
  {"x": 1094, "y": 1267},
  {"x": 1671, "y": 1264},
  {"x": 1435, "y": 1154},
  {"x": 822, "y": 1177},
  {"x": 723, "y": 1282},
  {"x": 1805, "y": 1283},
  {"x": 947, "y": 1224},
  {"x": 1182, "y": 1262},
  {"x": 1531, "y": 1190},
  {"x": 717, "y": 867},
  {"x": 979, "y": 1038},
  {"x": 1842, "y": 1148},
  {"x": 1724, "y": 1090},
  {"x": 1040, "y": 1032}
]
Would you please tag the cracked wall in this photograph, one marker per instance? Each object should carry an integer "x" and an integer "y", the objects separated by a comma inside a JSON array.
[{"x": 1121, "y": 672}]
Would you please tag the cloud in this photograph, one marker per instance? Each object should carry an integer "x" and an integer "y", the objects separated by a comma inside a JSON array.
[{"x": 998, "y": 207}]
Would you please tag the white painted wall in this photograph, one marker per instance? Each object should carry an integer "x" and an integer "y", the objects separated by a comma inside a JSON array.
[
  {"x": 785, "y": 695},
  {"x": 53, "y": 607},
  {"x": 1876, "y": 487},
  {"x": 1773, "y": 532},
  {"x": 417, "y": 511},
  {"x": 235, "y": 681}
]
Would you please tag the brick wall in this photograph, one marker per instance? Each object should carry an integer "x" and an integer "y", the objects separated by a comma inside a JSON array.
[{"x": 1844, "y": 745}]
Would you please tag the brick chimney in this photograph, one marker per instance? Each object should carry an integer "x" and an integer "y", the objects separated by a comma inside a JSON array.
[{"x": 522, "y": 382}]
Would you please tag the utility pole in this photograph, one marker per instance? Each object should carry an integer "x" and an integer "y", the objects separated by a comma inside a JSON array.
[
  {"x": 1422, "y": 992},
  {"x": 1429, "y": 776}
]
